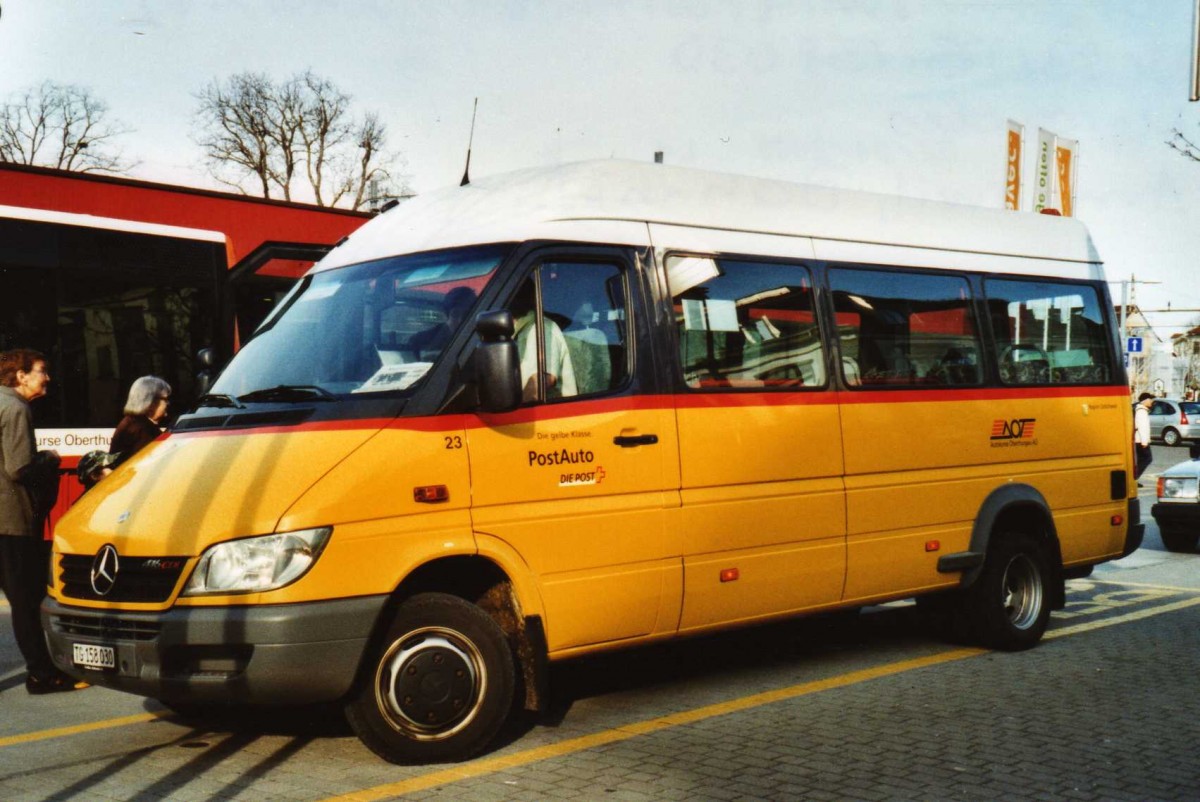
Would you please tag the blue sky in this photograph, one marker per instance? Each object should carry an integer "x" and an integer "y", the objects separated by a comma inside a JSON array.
[{"x": 898, "y": 96}]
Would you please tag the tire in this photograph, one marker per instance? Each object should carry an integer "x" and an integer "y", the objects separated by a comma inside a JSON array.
[
  {"x": 440, "y": 685},
  {"x": 1178, "y": 541},
  {"x": 1008, "y": 606},
  {"x": 1170, "y": 437}
]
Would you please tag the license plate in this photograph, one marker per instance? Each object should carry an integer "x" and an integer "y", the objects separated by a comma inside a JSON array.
[{"x": 90, "y": 656}]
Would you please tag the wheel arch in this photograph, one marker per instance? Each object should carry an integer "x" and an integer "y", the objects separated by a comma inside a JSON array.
[
  {"x": 1022, "y": 508},
  {"x": 486, "y": 583}
]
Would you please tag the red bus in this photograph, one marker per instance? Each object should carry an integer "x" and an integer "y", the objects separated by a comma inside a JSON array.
[{"x": 114, "y": 279}]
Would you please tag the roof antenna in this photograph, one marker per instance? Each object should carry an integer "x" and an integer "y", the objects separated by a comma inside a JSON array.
[{"x": 467, "y": 170}]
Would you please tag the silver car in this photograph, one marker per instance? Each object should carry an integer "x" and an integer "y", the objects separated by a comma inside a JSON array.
[
  {"x": 1177, "y": 511},
  {"x": 1174, "y": 421}
]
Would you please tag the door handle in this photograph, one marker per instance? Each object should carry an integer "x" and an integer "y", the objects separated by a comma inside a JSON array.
[{"x": 635, "y": 440}]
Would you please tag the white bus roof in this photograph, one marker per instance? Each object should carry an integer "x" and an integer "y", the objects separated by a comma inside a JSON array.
[
  {"x": 107, "y": 223},
  {"x": 583, "y": 201}
]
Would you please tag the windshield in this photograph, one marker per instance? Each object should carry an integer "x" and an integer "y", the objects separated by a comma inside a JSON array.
[{"x": 367, "y": 328}]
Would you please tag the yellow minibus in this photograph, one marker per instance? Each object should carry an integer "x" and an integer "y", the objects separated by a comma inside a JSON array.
[{"x": 597, "y": 406}]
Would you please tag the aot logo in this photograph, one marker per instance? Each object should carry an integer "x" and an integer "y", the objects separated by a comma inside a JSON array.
[{"x": 1015, "y": 429}]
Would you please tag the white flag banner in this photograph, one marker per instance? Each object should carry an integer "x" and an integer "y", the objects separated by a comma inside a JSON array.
[
  {"x": 1043, "y": 174},
  {"x": 1012, "y": 175},
  {"x": 1066, "y": 156}
]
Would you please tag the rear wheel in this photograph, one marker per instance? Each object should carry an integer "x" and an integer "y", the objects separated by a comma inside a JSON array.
[
  {"x": 1007, "y": 607},
  {"x": 440, "y": 685},
  {"x": 1175, "y": 540},
  {"x": 1170, "y": 437}
]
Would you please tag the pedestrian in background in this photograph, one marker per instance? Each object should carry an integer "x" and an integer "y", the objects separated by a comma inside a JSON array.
[
  {"x": 145, "y": 409},
  {"x": 28, "y": 488},
  {"x": 1141, "y": 435}
]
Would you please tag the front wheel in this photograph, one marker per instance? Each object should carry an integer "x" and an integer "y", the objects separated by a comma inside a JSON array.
[
  {"x": 1170, "y": 437},
  {"x": 1007, "y": 606},
  {"x": 1175, "y": 540},
  {"x": 439, "y": 686}
]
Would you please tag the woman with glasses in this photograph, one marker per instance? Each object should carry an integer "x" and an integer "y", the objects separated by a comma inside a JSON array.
[{"x": 144, "y": 411}]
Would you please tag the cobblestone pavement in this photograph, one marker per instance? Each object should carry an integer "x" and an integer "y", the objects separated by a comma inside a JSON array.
[
  {"x": 872, "y": 709},
  {"x": 868, "y": 708}
]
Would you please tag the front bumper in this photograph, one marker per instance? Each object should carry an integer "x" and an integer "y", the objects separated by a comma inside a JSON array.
[
  {"x": 1177, "y": 515},
  {"x": 270, "y": 654}
]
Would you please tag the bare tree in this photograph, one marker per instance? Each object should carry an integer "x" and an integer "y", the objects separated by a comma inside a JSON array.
[
  {"x": 256, "y": 133},
  {"x": 61, "y": 126}
]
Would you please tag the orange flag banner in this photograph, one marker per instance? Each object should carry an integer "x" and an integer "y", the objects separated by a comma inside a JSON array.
[{"x": 1012, "y": 176}]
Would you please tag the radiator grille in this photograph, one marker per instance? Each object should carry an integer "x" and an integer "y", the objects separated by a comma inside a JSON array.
[{"x": 138, "y": 579}]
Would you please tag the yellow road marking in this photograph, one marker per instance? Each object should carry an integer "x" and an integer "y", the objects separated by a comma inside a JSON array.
[
  {"x": 1146, "y": 585},
  {"x": 1121, "y": 619},
  {"x": 59, "y": 732}
]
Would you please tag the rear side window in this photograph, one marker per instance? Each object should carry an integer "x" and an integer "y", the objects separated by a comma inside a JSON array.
[
  {"x": 1048, "y": 332},
  {"x": 1161, "y": 408},
  {"x": 745, "y": 324},
  {"x": 902, "y": 329}
]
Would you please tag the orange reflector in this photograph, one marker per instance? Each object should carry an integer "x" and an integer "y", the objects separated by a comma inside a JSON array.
[
  {"x": 1117, "y": 520},
  {"x": 431, "y": 494},
  {"x": 729, "y": 574},
  {"x": 932, "y": 545}
]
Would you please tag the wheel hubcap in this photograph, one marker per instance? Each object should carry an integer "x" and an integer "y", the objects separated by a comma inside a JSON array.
[
  {"x": 430, "y": 683},
  {"x": 1022, "y": 590}
]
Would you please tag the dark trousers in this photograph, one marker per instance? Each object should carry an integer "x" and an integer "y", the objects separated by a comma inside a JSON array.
[
  {"x": 1144, "y": 458},
  {"x": 24, "y": 563}
]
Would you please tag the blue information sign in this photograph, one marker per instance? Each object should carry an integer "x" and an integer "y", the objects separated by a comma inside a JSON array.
[{"x": 1134, "y": 345}]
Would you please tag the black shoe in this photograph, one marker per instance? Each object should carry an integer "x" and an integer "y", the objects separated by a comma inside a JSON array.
[{"x": 38, "y": 684}]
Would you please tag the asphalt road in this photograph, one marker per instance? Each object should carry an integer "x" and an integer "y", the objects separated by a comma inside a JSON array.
[{"x": 872, "y": 707}]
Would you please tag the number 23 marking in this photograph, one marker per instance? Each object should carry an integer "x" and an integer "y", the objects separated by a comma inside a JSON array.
[{"x": 453, "y": 441}]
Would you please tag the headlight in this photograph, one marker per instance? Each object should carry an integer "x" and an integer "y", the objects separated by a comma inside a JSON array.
[
  {"x": 257, "y": 563},
  {"x": 1171, "y": 487}
]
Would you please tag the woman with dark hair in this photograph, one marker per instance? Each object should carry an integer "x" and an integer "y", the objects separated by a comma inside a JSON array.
[
  {"x": 144, "y": 410},
  {"x": 28, "y": 487}
]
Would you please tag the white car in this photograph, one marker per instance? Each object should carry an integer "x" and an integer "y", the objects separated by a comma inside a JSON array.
[{"x": 1178, "y": 509}]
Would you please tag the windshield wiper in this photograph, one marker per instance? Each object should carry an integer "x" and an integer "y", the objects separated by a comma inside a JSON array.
[
  {"x": 217, "y": 400},
  {"x": 290, "y": 392}
]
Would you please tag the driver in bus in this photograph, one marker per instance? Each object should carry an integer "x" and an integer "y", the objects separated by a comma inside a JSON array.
[{"x": 560, "y": 375}]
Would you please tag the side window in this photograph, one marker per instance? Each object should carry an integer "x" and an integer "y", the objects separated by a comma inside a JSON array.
[
  {"x": 904, "y": 329},
  {"x": 1048, "y": 332},
  {"x": 581, "y": 347},
  {"x": 745, "y": 324},
  {"x": 1161, "y": 408}
]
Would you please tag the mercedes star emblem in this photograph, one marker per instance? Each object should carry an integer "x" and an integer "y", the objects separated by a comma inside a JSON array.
[{"x": 104, "y": 569}]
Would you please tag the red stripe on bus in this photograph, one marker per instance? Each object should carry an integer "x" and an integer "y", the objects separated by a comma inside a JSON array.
[{"x": 739, "y": 400}]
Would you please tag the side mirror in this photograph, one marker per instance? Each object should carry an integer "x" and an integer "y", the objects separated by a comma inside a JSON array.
[
  {"x": 206, "y": 358},
  {"x": 497, "y": 364},
  {"x": 1194, "y": 450}
]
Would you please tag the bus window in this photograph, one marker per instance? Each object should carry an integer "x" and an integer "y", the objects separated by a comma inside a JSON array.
[
  {"x": 903, "y": 329},
  {"x": 745, "y": 324},
  {"x": 106, "y": 307},
  {"x": 1048, "y": 333}
]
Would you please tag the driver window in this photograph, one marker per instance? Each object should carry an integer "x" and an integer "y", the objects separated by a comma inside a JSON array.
[{"x": 580, "y": 347}]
